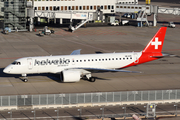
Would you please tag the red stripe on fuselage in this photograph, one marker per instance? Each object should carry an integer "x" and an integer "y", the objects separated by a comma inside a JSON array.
[{"x": 145, "y": 57}]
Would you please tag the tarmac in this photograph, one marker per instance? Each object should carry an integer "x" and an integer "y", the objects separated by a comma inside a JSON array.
[
  {"x": 156, "y": 75},
  {"x": 160, "y": 74}
]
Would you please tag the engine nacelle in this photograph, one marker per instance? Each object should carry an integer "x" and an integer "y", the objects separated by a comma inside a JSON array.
[{"x": 71, "y": 76}]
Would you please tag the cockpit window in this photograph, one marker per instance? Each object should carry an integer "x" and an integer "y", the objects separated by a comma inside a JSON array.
[{"x": 16, "y": 63}]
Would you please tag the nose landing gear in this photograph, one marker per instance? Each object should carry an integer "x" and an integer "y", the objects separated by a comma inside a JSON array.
[{"x": 25, "y": 78}]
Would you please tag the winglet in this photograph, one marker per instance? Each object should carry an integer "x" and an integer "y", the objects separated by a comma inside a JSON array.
[
  {"x": 76, "y": 52},
  {"x": 156, "y": 43}
]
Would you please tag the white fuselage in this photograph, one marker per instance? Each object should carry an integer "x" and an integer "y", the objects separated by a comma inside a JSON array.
[{"x": 56, "y": 64}]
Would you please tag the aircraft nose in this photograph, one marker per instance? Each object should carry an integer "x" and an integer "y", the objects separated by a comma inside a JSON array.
[{"x": 6, "y": 70}]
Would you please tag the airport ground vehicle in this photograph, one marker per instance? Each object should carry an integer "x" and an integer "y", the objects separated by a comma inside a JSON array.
[
  {"x": 115, "y": 23},
  {"x": 124, "y": 22},
  {"x": 127, "y": 15},
  {"x": 172, "y": 25}
]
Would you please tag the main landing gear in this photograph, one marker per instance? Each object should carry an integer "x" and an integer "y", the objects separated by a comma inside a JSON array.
[
  {"x": 25, "y": 78},
  {"x": 92, "y": 79}
]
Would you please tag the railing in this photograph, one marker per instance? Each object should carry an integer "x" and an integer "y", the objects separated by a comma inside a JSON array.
[{"x": 84, "y": 98}]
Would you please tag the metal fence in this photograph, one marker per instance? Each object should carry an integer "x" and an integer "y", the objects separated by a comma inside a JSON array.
[{"x": 78, "y": 98}]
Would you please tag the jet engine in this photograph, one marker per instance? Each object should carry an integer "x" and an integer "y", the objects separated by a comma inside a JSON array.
[{"x": 71, "y": 76}]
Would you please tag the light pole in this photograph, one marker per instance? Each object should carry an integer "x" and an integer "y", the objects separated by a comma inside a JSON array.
[
  {"x": 34, "y": 111},
  {"x": 124, "y": 108},
  {"x": 57, "y": 113},
  {"x": 176, "y": 110},
  {"x": 80, "y": 112},
  {"x": 102, "y": 116},
  {"x": 10, "y": 115}
]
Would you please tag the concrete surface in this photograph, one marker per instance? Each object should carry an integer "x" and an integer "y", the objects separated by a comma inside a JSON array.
[{"x": 160, "y": 74}]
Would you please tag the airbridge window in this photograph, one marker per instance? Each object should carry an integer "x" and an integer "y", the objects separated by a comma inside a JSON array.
[{"x": 16, "y": 63}]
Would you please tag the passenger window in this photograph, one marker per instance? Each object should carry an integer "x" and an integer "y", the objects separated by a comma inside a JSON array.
[
  {"x": 119, "y": 58},
  {"x": 123, "y": 58},
  {"x": 80, "y": 60},
  {"x": 99, "y": 59},
  {"x": 76, "y": 60},
  {"x": 91, "y": 7},
  {"x": 101, "y": 7},
  {"x": 92, "y": 59},
  {"x": 113, "y": 59},
  {"x": 112, "y": 7},
  {"x": 80, "y": 8},
  {"x": 109, "y": 7},
  {"x": 109, "y": 58},
  {"x": 116, "y": 58},
  {"x": 96, "y": 59}
]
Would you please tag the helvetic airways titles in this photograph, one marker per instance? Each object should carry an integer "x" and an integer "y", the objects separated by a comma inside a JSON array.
[{"x": 49, "y": 62}]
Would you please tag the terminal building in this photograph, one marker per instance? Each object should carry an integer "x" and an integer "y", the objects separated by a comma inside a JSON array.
[
  {"x": 15, "y": 14},
  {"x": 18, "y": 14},
  {"x": 107, "y": 6}
]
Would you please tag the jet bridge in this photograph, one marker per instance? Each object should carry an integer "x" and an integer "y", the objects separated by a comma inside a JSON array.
[
  {"x": 141, "y": 10},
  {"x": 83, "y": 16},
  {"x": 164, "y": 10}
]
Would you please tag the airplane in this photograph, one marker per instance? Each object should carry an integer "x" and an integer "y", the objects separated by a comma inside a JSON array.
[{"x": 75, "y": 66}]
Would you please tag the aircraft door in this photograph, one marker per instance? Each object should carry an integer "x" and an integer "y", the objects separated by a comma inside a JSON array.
[
  {"x": 30, "y": 63},
  {"x": 136, "y": 59}
]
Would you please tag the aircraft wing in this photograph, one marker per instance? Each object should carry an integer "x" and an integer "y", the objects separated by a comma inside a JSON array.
[
  {"x": 106, "y": 70},
  {"x": 76, "y": 52}
]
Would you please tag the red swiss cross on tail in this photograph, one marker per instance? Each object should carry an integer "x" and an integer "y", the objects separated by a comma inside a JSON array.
[{"x": 156, "y": 43}]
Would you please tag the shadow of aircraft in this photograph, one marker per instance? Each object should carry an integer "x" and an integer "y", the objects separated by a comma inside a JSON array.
[{"x": 56, "y": 77}]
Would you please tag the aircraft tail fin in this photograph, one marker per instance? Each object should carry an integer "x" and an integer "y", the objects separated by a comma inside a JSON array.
[{"x": 156, "y": 43}]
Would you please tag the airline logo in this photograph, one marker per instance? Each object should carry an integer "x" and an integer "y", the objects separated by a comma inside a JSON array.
[
  {"x": 52, "y": 62},
  {"x": 156, "y": 43}
]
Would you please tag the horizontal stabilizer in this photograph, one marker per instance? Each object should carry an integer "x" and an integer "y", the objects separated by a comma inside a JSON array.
[{"x": 164, "y": 55}]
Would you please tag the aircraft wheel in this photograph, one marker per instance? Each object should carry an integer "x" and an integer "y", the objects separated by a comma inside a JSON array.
[
  {"x": 92, "y": 79},
  {"x": 25, "y": 80}
]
